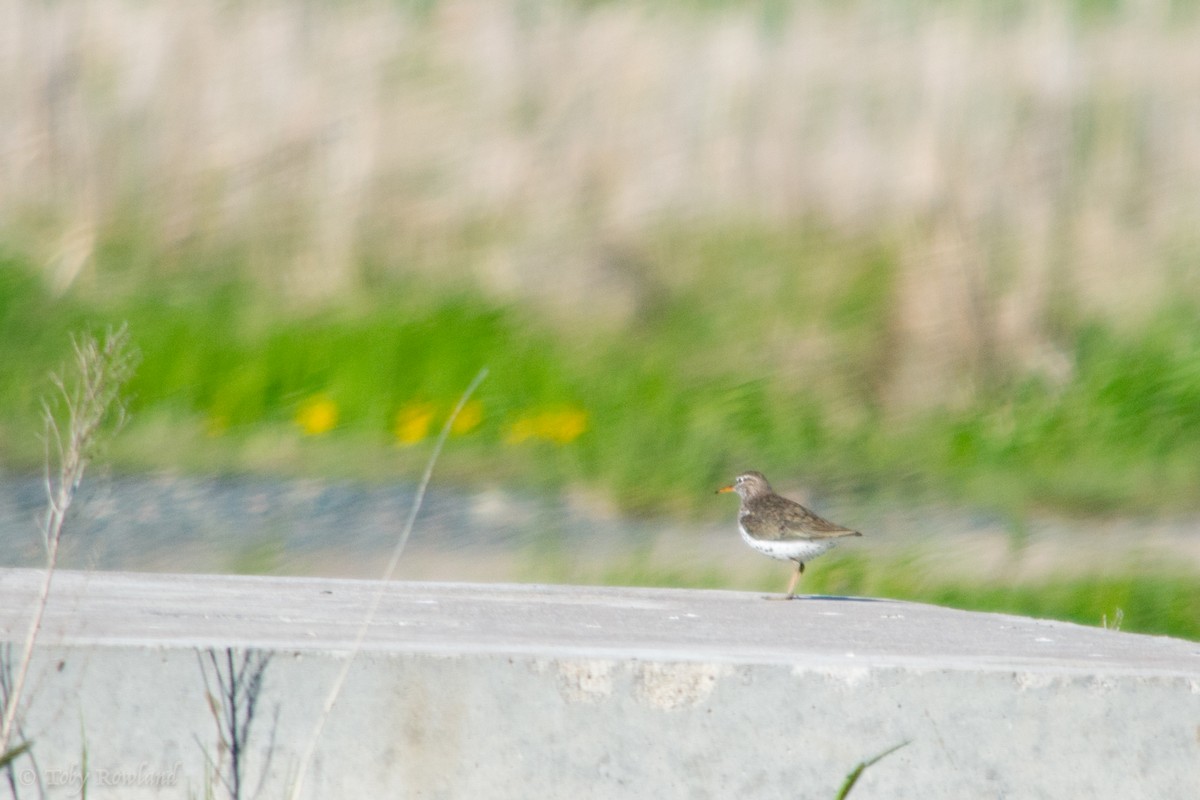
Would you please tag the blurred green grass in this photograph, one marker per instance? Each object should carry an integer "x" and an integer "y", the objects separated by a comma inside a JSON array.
[
  {"x": 697, "y": 384},
  {"x": 264, "y": 254},
  {"x": 1164, "y": 604},
  {"x": 704, "y": 380},
  {"x": 1136, "y": 602}
]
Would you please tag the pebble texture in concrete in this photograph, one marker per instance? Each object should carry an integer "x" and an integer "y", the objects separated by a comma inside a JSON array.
[{"x": 516, "y": 691}]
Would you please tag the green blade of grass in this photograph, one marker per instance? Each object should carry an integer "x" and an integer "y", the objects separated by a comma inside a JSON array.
[
  {"x": 13, "y": 754},
  {"x": 862, "y": 767}
]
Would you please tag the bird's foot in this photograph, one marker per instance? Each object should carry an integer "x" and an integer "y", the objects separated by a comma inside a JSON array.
[{"x": 779, "y": 597}]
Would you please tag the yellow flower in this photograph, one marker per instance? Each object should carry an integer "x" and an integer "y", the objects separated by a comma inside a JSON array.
[
  {"x": 317, "y": 415},
  {"x": 560, "y": 426},
  {"x": 412, "y": 423},
  {"x": 468, "y": 419},
  {"x": 566, "y": 426}
]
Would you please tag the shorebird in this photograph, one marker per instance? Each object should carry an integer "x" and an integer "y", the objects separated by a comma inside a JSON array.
[{"x": 782, "y": 528}]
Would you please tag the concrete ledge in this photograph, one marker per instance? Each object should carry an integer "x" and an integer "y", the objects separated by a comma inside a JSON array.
[{"x": 504, "y": 691}]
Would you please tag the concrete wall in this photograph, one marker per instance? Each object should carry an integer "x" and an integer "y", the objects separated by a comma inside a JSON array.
[{"x": 530, "y": 691}]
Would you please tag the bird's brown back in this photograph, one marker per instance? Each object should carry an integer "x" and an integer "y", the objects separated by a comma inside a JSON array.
[{"x": 777, "y": 518}]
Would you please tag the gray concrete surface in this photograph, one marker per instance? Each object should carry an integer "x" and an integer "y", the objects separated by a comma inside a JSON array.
[{"x": 518, "y": 691}]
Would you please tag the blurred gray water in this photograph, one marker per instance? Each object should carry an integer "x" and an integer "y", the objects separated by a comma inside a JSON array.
[
  {"x": 167, "y": 523},
  {"x": 236, "y": 524}
]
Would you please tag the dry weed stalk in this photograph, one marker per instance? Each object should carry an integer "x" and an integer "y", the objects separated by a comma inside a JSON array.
[
  {"x": 88, "y": 399},
  {"x": 233, "y": 690},
  {"x": 336, "y": 689}
]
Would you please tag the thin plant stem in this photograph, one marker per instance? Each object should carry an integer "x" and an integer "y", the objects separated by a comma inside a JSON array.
[{"x": 335, "y": 689}]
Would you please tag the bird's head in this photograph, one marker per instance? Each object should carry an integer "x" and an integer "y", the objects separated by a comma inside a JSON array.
[{"x": 748, "y": 485}]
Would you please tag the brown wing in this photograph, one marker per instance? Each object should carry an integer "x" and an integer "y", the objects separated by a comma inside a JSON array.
[{"x": 777, "y": 518}]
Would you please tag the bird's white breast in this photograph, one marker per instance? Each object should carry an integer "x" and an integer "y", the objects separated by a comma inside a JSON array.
[{"x": 788, "y": 549}]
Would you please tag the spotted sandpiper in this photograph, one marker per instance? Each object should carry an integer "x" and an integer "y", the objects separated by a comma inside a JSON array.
[{"x": 782, "y": 528}]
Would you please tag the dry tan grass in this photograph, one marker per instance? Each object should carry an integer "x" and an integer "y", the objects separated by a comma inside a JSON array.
[
  {"x": 88, "y": 396},
  {"x": 1011, "y": 158}
]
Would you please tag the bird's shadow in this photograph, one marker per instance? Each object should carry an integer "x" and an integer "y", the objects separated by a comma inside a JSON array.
[{"x": 841, "y": 597}]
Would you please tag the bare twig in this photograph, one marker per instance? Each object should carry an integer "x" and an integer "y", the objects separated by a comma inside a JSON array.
[
  {"x": 233, "y": 700},
  {"x": 90, "y": 396},
  {"x": 336, "y": 689}
]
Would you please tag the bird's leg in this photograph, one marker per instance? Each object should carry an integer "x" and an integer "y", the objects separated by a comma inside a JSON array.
[
  {"x": 791, "y": 585},
  {"x": 791, "y": 590}
]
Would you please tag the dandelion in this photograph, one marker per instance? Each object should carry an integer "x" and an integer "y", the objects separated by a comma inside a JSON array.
[
  {"x": 413, "y": 423},
  {"x": 317, "y": 415},
  {"x": 560, "y": 426},
  {"x": 468, "y": 418}
]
